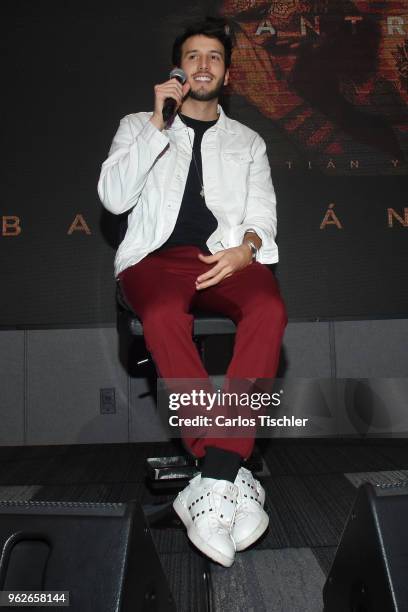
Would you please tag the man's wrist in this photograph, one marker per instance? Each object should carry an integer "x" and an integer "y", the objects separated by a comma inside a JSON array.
[
  {"x": 251, "y": 234},
  {"x": 253, "y": 242},
  {"x": 157, "y": 122},
  {"x": 251, "y": 248}
]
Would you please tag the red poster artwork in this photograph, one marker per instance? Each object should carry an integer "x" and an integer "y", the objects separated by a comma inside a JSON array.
[{"x": 332, "y": 75}]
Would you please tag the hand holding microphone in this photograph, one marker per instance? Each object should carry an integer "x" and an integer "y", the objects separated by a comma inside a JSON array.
[{"x": 168, "y": 97}]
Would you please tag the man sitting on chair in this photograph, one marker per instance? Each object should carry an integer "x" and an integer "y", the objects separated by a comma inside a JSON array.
[{"x": 201, "y": 229}]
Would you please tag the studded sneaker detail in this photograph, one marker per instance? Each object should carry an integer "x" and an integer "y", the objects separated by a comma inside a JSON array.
[
  {"x": 251, "y": 519},
  {"x": 207, "y": 508}
]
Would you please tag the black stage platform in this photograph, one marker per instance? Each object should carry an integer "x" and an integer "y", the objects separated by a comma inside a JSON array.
[{"x": 310, "y": 485}]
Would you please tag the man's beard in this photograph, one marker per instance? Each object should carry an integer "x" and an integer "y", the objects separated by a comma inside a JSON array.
[{"x": 205, "y": 96}]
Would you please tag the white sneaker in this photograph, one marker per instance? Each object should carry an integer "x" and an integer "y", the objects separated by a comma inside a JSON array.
[
  {"x": 207, "y": 508},
  {"x": 251, "y": 519}
]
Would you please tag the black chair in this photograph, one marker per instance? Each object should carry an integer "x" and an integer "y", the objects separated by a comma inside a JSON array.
[{"x": 205, "y": 323}]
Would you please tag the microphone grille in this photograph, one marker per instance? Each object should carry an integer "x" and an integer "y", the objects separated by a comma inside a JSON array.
[{"x": 179, "y": 74}]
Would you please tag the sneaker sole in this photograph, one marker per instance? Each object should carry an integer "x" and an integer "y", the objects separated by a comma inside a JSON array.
[
  {"x": 254, "y": 536},
  {"x": 196, "y": 539}
]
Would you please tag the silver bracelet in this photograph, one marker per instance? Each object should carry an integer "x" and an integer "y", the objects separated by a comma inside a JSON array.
[
  {"x": 253, "y": 247},
  {"x": 251, "y": 244}
]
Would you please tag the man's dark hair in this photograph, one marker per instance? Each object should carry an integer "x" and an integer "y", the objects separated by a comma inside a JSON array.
[{"x": 213, "y": 27}]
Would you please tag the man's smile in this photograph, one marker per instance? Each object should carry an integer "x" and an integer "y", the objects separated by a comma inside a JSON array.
[{"x": 202, "y": 78}]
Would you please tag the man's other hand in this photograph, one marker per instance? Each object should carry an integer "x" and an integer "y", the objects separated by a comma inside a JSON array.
[{"x": 226, "y": 263}]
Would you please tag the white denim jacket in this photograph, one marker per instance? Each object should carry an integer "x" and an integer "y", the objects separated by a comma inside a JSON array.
[{"x": 147, "y": 171}]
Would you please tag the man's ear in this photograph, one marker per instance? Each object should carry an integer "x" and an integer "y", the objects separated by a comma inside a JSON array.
[{"x": 226, "y": 77}]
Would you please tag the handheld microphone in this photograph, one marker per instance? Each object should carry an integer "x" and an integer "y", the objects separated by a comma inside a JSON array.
[{"x": 169, "y": 106}]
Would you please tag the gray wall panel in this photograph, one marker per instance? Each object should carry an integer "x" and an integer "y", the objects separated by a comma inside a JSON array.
[
  {"x": 66, "y": 370},
  {"x": 372, "y": 348},
  {"x": 372, "y": 406},
  {"x": 378, "y": 352},
  {"x": 306, "y": 350},
  {"x": 12, "y": 387},
  {"x": 145, "y": 425}
]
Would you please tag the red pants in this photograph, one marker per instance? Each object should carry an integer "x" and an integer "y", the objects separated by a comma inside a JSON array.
[{"x": 161, "y": 291}]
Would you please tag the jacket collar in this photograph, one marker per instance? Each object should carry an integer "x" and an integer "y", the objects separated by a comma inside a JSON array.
[{"x": 224, "y": 123}]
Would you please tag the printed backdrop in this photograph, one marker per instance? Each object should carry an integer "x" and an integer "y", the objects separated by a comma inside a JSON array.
[{"x": 324, "y": 82}]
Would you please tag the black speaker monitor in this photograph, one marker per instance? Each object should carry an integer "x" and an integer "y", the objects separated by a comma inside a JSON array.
[
  {"x": 370, "y": 569},
  {"x": 101, "y": 553}
]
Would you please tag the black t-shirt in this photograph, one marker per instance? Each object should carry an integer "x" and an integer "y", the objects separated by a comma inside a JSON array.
[{"x": 195, "y": 222}]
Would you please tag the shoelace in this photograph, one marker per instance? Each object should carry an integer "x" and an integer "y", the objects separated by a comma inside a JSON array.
[
  {"x": 223, "y": 513},
  {"x": 251, "y": 493}
]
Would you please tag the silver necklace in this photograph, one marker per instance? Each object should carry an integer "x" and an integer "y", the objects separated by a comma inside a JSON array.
[{"x": 200, "y": 180}]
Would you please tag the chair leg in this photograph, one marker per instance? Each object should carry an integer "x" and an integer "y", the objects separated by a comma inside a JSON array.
[{"x": 200, "y": 342}]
